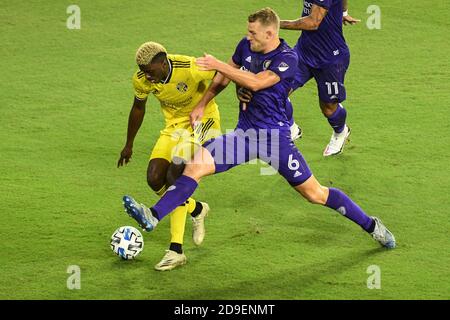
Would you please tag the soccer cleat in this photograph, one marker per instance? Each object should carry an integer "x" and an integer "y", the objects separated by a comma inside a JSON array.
[
  {"x": 337, "y": 142},
  {"x": 171, "y": 260},
  {"x": 198, "y": 225},
  {"x": 140, "y": 213},
  {"x": 296, "y": 132},
  {"x": 383, "y": 235}
]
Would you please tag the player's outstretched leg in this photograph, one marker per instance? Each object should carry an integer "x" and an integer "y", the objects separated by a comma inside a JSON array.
[
  {"x": 336, "y": 199},
  {"x": 140, "y": 213}
]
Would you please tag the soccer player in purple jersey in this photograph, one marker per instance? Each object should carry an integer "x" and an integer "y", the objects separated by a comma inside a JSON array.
[
  {"x": 324, "y": 55},
  {"x": 262, "y": 122}
]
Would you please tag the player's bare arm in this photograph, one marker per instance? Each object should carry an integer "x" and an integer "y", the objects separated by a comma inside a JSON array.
[
  {"x": 311, "y": 22},
  {"x": 249, "y": 80},
  {"x": 346, "y": 18},
  {"x": 134, "y": 123},
  {"x": 218, "y": 83}
]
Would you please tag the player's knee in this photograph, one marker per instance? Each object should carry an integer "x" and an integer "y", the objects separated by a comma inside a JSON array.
[
  {"x": 156, "y": 179},
  {"x": 175, "y": 170},
  {"x": 316, "y": 196},
  {"x": 197, "y": 170},
  {"x": 328, "y": 108}
]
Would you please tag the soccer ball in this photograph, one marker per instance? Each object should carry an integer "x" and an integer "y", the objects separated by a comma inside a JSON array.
[{"x": 127, "y": 242}]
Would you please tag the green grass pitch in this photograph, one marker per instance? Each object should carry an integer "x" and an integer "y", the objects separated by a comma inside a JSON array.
[{"x": 64, "y": 100}]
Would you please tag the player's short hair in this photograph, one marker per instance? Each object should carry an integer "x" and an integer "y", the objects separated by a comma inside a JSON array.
[
  {"x": 148, "y": 51},
  {"x": 267, "y": 17}
]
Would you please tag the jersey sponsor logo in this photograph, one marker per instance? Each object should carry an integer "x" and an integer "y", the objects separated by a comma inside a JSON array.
[
  {"x": 249, "y": 59},
  {"x": 336, "y": 52},
  {"x": 283, "y": 67},
  {"x": 297, "y": 174},
  {"x": 182, "y": 87},
  {"x": 266, "y": 64}
]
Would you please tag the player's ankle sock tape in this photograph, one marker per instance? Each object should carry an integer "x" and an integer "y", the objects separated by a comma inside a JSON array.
[
  {"x": 198, "y": 209},
  {"x": 177, "y": 247},
  {"x": 372, "y": 227}
]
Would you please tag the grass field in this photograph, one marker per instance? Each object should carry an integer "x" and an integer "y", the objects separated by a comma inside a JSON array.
[{"x": 64, "y": 100}]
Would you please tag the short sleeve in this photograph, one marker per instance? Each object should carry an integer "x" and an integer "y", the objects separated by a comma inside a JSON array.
[
  {"x": 285, "y": 64},
  {"x": 238, "y": 53},
  {"x": 323, "y": 3},
  {"x": 139, "y": 92}
]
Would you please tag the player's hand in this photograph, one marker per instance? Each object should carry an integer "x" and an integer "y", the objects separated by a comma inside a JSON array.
[
  {"x": 125, "y": 156},
  {"x": 244, "y": 95},
  {"x": 350, "y": 20},
  {"x": 207, "y": 62},
  {"x": 196, "y": 116}
]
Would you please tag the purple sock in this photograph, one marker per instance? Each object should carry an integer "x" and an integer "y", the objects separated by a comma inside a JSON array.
[
  {"x": 340, "y": 202},
  {"x": 176, "y": 195},
  {"x": 337, "y": 119}
]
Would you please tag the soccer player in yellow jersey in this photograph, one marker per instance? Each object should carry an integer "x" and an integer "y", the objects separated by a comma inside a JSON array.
[{"x": 179, "y": 85}]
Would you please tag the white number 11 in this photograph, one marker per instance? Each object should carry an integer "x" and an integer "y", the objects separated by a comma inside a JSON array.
[{"x": 335, "y": 85}]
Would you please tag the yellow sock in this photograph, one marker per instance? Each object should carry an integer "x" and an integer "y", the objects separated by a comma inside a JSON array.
[
  {"x": 177, "y": 224},
  {"x": 190, "y": 203}
]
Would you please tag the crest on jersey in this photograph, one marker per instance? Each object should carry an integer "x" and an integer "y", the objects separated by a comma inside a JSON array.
[
  {"x": 283, "y": 67},
  {"x": 266, "y": 64},
  {"x": 182, "y": 87}
]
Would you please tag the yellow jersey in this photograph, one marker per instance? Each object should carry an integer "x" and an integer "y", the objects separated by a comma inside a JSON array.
[{"x": 182, "y": 90}]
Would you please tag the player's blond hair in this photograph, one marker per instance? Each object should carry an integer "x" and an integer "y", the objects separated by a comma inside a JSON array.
[
  {"x": 147, "y": 51},
  {"x": 267, "y": 17}
]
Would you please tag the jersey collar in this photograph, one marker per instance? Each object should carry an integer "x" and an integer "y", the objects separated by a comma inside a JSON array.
[{"x": 170, "y": 72}]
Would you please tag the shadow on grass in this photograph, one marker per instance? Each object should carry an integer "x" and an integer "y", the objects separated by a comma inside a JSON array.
[{"x": 280, "y": 285}]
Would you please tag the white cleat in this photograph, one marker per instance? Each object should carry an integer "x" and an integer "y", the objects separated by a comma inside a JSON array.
[
  {"x": 383, "y": 235},
  {"x": 337, "y": 142},
  {"x": 296, "y": 132},
  {"x": 198, "y": 225},
  {"x": 171, "y": 260}
]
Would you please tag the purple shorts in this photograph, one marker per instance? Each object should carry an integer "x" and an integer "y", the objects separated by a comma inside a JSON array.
[
  {"x": 329, "y": 79},
  {"x": 274, "y": 147}
]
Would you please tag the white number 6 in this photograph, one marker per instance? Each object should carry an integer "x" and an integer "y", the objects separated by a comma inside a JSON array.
[{"x": 293, "y": 164}]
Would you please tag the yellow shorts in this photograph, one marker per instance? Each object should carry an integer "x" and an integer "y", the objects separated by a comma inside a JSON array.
[{"x": 180, "y": 140}]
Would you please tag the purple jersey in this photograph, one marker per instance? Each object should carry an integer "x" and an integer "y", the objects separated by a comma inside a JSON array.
[
  {"x": 267, "y": 109},
  {"x": 326, "y": 45}
]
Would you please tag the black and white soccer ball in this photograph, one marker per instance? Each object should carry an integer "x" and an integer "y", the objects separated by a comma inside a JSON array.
[{"x": 127, "y": 242}]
